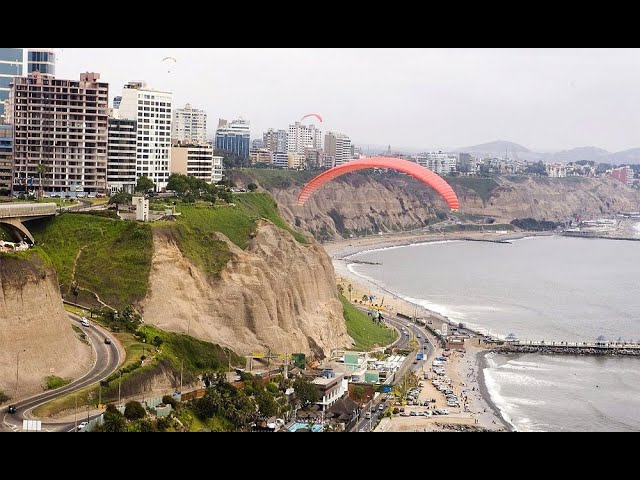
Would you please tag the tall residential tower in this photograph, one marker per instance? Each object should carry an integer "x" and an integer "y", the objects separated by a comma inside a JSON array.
[
  {"x": 189, "y": 126},
  {"x": 151, "y": 109}
]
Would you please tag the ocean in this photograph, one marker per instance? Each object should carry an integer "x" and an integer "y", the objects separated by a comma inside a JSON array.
[{"x": 539, "y": 288}]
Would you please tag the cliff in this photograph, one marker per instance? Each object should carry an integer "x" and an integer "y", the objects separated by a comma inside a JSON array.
[
  {"x": 32, "y": 318},
  {"x": 365, "y": 203},
  {"x": 277, "y": 293}
]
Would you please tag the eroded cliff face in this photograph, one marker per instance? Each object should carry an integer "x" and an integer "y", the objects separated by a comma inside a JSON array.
[
  {"x": 276, "y": 294},
  {"x": 552, "y": 198},
  {"x": 32, "y": 318},
  {"x": 361, "y": 204}
]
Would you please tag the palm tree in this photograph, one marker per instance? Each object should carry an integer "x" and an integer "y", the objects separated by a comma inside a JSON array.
[
  {"x": 114, "y": 421},
  {"x": 41, "y": 169}
]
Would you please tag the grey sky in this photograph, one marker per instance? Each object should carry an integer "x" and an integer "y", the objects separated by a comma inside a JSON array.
[{"x": 436, "y": 98}]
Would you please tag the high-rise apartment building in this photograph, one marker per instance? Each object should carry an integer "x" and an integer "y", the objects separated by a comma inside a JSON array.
[
  {"x": 623, "y": 174},
  {"x": 61, "y": 124},
  {"x": 152, "y": 111},
  {"x": 189, "y": 126},
  {"x": 337, "y": 147},
  {"x": 302, "y": 136},
  {"x": 275, "y": 140},
  {"x": 6, "y": 157},
  {"x": 197, "y": 161},
  {"x": 234, "y": 137},
  {"x": 122, "y": 159}
]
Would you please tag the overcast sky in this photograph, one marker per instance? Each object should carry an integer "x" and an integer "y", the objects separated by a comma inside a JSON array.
[{"x": 422, "y": 98}]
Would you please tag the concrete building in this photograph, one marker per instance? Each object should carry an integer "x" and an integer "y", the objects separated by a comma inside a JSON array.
[
  {"x": 197, "y": 161},
  {"x": 556, "y": 170},
  {"x": 275, "y": 140},
  {"x": 257, "y": 143},
  {"x": 440, "y": 163},
  {"x": 313, "y": 158},
  {"x": 280, "y": 160},
  {"x": 623, "y": 174},
  {"x": 302, "y": 136},
  {"x": 142, "y": 208},
  {"x": 121, "y": 155},
  {"x": 151, "y": 109},
  {"x": 339, "y": 147},
  {"x": 332, "y": 387},
  {"x": 63, "y": 125},
  {"x": 6, "y": 157},
  {"x": 189, "y": 126},
  {"x": 234, "y": 137},
  {"x": 296, "y": 161},
  {"x": 260, "y": 155}
]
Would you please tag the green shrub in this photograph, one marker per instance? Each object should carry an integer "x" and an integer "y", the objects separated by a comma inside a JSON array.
[
  {"x": 134, "y": 410},
  {"x": 53, "y": 382}
]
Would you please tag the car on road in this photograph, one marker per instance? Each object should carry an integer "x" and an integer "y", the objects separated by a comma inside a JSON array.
[
  {"x": 82, "y": 426},
  {"x": 412, "y": 414},
  {"x": 107, "y": 340},
  {"x": 84, "y": 322},
  {"x": 12, "y": 409},
  {"x": 381, "y": 407}
]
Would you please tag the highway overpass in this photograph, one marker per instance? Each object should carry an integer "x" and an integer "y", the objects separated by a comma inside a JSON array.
[{"x": 15, "y": 214}]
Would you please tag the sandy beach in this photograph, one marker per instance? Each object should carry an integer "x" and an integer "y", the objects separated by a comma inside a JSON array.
[{"x": 464, "y": 369}]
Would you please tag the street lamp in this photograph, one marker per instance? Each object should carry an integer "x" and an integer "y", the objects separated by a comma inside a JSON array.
[
  {"x": 119, "y": 389},
  {"x": 18, "y": 371}
]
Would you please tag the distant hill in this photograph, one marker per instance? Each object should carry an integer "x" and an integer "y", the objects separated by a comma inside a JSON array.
[
  {"x": 631, "y": 156},
  {"x": 580, "y": 153},
  {"x": 495, "y": 148}
]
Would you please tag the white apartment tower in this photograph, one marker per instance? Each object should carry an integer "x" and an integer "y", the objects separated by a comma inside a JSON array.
[
  {"x": 189, "y": 126},
  {"x": 275, "y": 140},
  {"x": 151, "y": 109},
  {"x": 302, "y": 136}
]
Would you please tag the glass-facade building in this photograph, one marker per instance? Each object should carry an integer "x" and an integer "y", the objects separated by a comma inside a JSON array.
[
  {"x": 42, "y": 60},
  {"x": 234, "y": 137},
  {"x": 6, "y": 158},
  {"x": 11, "y": 65}
]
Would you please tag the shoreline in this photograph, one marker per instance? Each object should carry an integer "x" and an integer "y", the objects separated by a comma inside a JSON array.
[
  {"x": 483, "y": 364},
  {"x": 341, "y": 251}
]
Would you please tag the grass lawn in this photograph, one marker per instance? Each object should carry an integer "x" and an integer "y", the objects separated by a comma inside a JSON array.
[{"x": 364, "y": 332}]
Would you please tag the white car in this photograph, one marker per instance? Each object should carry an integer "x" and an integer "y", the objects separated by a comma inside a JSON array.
[
  {"x": 84, "y": 322},
  {"x": 82, "y": 426}
]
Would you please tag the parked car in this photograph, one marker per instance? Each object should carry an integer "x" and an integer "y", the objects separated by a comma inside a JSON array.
[{"x": 82, "y": 425}]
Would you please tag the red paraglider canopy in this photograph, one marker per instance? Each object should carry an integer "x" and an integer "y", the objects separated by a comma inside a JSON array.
[
  {"x": 312, "y": 115},
  {"x": 421, "y": 173}
]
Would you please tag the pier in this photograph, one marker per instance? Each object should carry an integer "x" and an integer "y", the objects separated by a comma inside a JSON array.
[{"x": 572, "y": 348}]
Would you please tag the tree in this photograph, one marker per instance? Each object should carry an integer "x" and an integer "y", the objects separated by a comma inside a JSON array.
[
  {"x": 340, "y": 289},
  {"x": 537, "y": 168},
  {"x": 178, "y": 183},
  {"x": 252, "y": 187},
  {"x": 41, "y": 169},
  {"x": 114, "y": 421},
  {"x": 358, "y": 391},
  {"x": 306, "y": 391},
  {"x": 365, "y": 298},
  {"x": 145, "y": 184},
  {"x": 120, "y": 198},
  {"x": 350, "y": 289},
  {"x": 134, "y": 410},
  {"x": 267, "y": 406},
  {"x": 157, "y": 341}
]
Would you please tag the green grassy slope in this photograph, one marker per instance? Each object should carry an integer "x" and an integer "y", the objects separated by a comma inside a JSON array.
[
  {"x": 112, "y": 258},
  {"x": 361, "y": 328}
]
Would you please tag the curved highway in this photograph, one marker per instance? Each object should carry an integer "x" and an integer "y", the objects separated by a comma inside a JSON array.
[{"x": 107, "y": 359}]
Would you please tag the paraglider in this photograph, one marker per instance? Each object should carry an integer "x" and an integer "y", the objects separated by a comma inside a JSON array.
[
  {"x": 421, "y": 173},
  {"x": 312, "y": 115},
  {"x": 169, "y": 62}
]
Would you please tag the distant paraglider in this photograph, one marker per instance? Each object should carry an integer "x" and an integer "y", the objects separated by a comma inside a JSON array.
[
  {"x": 421, "y": 173},
  {"x": 170, "y": 63},
  {"x": 312, "y": 115}
]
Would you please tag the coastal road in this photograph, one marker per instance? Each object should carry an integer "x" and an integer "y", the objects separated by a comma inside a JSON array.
[
  {"x": 107, "y": 359},
  {"x": 365, "y": 424}
]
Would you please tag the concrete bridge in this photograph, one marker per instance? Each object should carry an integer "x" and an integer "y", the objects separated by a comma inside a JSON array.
[{"x": 14, "y": 215}]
